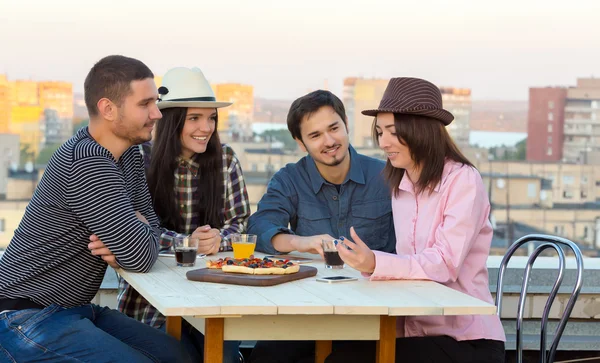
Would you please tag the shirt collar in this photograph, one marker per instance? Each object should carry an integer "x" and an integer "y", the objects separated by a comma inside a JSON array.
[
  {"x": 356, "y": 173},
  {"x": 407, "y": 185},
  {"x": 190, "y": 165}
]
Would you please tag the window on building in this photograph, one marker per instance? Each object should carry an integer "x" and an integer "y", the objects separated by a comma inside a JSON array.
[
  {"x": 583, "y": 194},
  {"x": 531, "y": 190},
  {"x": 549, "y": 152},
  {"x": 568, "y": 179},
  {"x": 559, "y": 230},
  {"x": 254, "y": 167},
  {"x": 585, "y": 232},
  {"x": 549, "y": 127},
  {"x": 584, "y": 179},
  {"x": 567, "y": 194},
  {"x": 549, "y": 139},
  {"x": 2, "y": 225},
  {"x": 550, "y": 116},
  {"x": 550, "y": 104}
]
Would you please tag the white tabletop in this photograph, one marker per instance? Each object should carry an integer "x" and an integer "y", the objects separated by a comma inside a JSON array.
[{"x": 167, "y": 289}]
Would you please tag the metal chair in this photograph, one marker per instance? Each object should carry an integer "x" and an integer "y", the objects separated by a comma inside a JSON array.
[{"x": 556, "y": 243}]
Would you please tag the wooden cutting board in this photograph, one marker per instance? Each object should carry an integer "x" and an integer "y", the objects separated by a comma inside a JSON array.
[{"x": 218, "y": 276}]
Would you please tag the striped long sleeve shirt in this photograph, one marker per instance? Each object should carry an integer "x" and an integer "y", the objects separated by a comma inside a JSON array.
[{"x": 83, "y": 191}]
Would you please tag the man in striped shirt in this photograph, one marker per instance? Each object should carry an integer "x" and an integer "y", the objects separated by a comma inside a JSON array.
[{"x": 94, "y": 184}]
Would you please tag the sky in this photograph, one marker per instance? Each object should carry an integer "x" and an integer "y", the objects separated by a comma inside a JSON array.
[{"x": 286, "y": 48}]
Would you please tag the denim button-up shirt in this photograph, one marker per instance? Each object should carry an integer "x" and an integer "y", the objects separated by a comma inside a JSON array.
[{"x": 299, "y": 201}]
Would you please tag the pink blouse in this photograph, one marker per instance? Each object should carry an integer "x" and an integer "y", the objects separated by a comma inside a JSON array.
[{"x": 444, "y": 236}]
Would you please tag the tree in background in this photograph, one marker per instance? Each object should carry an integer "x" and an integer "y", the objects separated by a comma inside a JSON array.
[
  {"x": 283, "y": 136},
  {"x": 26, "y": 154},
  {"x": 80, "y": 125},
  {"x": 517, "y": 152},
  {"x": 46, "y": 153}
]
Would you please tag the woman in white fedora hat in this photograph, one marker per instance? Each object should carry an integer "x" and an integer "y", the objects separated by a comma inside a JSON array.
[{"x": 196, "y": 183}]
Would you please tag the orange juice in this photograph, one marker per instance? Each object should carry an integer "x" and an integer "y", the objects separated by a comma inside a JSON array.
[{"x": 242, "y": 249}]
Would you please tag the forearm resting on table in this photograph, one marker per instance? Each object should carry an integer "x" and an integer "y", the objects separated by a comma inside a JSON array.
[{"x": 282, "y": 242}]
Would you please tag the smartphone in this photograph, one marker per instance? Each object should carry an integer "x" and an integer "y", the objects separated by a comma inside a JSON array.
[{"x": 332, "y": 279}]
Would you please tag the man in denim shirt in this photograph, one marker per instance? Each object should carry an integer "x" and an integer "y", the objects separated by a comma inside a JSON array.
[{"x": 328, "y": 191}]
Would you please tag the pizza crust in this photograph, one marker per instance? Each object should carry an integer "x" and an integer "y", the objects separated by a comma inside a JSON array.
[
  {"x": 238, "y": 269},
  {"x": 292, "y": 269}
]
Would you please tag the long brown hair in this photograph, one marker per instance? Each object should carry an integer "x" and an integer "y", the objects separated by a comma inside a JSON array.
[
  {"x": 161, "y": 181},
  {"x": 429, "y": 144}
]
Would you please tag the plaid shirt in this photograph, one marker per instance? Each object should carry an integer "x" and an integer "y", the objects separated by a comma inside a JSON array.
[{"x": 236, "y": 211}]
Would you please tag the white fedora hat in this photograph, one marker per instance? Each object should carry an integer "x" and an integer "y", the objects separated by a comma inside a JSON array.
[{"x": 185, "y": 87}]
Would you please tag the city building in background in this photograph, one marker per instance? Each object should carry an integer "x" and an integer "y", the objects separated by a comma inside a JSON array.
[
  {"x": 361, "y": 94},
  {"x": 582, "y": 122},
  {"x": 57, "y": 96},
  {"x": 236, "y": 119},
  {"x": 41, "y": 113},
  {"x": 458, "y": 102},
  {"x": 5, "y": 104},
  {"x": 57, "y": 129},
  {"x": 9, "y": 159},
  {"x": 158, "y": 81},
  {"x": 27, "y": 122},
  {"x": 564, "y": 123},
  {"x": 24, "y": 93},
  {"x": 545, "y": 124},
  {"x": 56, "y": 99}
]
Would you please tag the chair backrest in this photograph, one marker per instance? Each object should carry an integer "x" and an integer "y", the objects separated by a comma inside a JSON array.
[{"x": 546, "y": 242}]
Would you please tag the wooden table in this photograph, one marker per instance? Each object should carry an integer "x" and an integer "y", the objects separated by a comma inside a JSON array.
[{"x": 299, "y": 310}]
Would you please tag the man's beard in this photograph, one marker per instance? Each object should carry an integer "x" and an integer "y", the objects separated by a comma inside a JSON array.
[{"x": 126, "y": 133}]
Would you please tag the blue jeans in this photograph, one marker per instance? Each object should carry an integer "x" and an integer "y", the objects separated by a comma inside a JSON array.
[
  {"x": 193, "y": 341},
  {"x": 87, "y": 333}
]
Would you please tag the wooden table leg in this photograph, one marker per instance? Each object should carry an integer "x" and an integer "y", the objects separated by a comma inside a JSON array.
[
  {"x": 174, "y": 326},
  {"x": 213, "y": 340},
  {"x": 386, "y": 346},
  {"x": 322, "y": 350}
]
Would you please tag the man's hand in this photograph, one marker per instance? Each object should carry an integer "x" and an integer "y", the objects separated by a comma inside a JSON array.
[
  {"x": 99, "y": 249},
  {"x": 209, "y": 239},
  {"x": 310, "y": 244},
  {"x": 141, "y": 217}
]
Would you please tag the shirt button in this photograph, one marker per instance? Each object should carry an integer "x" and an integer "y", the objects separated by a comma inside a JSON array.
[{"x": 335, "y": 197}]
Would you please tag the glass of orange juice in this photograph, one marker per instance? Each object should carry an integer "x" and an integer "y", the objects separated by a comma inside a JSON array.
[{"x": 243, "y": 245}]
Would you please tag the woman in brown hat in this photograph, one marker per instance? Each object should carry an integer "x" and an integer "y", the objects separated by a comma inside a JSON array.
[{"x": 440, "y": 209}]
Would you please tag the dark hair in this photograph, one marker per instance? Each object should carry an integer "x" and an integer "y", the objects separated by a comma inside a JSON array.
[
  {"x": 309, "y": 104},
  {"x": 429, "y": 144},
  {"x": 166, "y": 149},
  {"x": 111, "y": 78}
]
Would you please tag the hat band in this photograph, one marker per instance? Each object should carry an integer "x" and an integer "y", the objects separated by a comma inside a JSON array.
[{"x": 208, "y": 99}]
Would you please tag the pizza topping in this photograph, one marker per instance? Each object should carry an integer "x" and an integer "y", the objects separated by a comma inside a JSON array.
[{"x": 265, "y": 265}]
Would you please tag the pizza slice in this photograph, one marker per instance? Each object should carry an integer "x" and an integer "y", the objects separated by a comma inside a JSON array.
[{"x": 254, "y": 266}]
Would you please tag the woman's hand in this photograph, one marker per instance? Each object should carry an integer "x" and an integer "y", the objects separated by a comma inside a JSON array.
[
  {"x": 209, "y": 239},
  {"x": 358, "y": 255}
]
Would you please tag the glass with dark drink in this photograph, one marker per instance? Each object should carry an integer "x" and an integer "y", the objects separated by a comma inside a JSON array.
[
  {"x": 186, "y": 250},
  {"x": 332, "y": 257}
]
